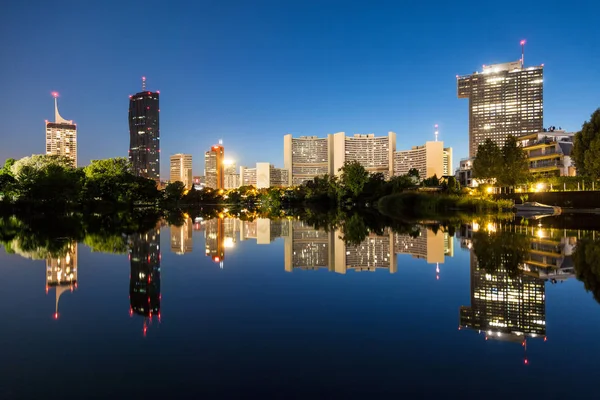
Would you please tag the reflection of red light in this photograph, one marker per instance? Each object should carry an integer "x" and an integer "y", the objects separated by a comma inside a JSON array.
[
  {"x": 486, "y": 338},
  {"x": 145, "y": 330},
  {"x": 526, "y": 361},
  {"x": 523, "y": 344},
  {"x": 75, "y": 285},
  {"x": 217, "y": 259},
  {"x": 545, "y": 338},
  {"x": 46, "y": 289},
  {"x": 459, "y": 328},
  {"x": 55, "y": 315},
  {"x": 437, "y": 277},
  {"x": 130, "y": 312}
]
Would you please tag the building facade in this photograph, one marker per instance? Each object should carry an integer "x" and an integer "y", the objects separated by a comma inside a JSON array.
[
  {"x": 61, "y": 136},
  {"x": 430, "y": 159},
  {"x": 504, "y": 99},
  {"x": 264, "y": 175},
  {"x": 464, "y": 173},
  {"x": 144, "y": 134},
  {"x": 214, "y": 167},
  {"x": 549, "y": 152},
  {"x": 374, "y": 153},
  {"x": 306, "y": 157},
  {"x": 232, "y": 178},
  {"x": 181, "y": 169}
]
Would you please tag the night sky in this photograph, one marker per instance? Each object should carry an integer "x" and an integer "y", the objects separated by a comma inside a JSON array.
[{"x": 248, "y": 72}]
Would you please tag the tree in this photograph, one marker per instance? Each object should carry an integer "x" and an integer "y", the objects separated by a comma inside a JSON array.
[
  {"x": 353, "y": 178},
  {"x": 584, "y": 154},
  {"x": 586, "y": 260},
  {"x": 487, "y": 166},
  {"x": 432, "y": 181},
  {"x": 7, "y": 169},
  {"x": 174, "y": 191},
  {"x": 40, "y": 162},
  {"x": 413, "y": 172},
  {"x": 515, "y": 169},
  {"x": 110, "y": 167}
]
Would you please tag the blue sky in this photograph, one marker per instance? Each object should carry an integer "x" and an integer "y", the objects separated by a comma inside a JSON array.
[{"x": 249, "y": 72}]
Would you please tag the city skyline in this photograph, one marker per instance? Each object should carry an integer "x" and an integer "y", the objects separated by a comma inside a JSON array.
[{"x": 326, "y": 93}]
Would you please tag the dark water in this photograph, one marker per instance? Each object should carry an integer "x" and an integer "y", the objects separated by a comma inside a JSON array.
[{"x": 277, "y": 309}]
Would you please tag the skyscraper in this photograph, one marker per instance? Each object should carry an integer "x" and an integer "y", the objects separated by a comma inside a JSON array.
[
  {"x": 306, "y": 157},
  {"x": 144, "y": 133},
  {"x": 61, "y": 135},
  {"x": 214, "y": 167},
  {"x": 181, "y": 169},
  {"x": 376, "y": 154},
  {"x": 504, "y": 99}
]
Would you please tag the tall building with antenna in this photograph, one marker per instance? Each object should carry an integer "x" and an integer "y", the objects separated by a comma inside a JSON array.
[
  {"x": 61, "y": 135},
  {"x": 504, "y": 99},
  {"x": 144, "y": 133},
  {"x": 214, "y": 167}
]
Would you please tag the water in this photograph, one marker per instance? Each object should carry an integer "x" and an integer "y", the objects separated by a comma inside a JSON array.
[{"x": 223, "y": 308}]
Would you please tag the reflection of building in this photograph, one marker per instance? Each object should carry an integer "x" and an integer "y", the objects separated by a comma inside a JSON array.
[
  {"x": 430, "y": 159},
  {"x": 61, "y": 136},
  {"x": 373, "y": 252},
  {"x": 505, "y": 99},
  {"x": 306, "y": 157},
  {"x": 504, "y": 306},
  {"x": 214, "y": 170},
  {"x": 264, "y": 230},
  {"x": 61, "y": 273},
  {"x": 376, "y": 154},
  {"x": 549, "y": 152},
  {"x": 308, "y": 248},
  {"x": 144, "y": 279},
  {"x": 144, "y": 134},
  {"x": 215, "y": 240},
  {"x": 181, "y": 169},
  {"x": 181, "y": 237},
  {"x": 264, "y": 175},
  {"x": 550, "y": 255},
  {"x": 426, "y": 244}
]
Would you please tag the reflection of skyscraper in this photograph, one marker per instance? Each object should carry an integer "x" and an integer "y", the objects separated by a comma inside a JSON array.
[
  {"x": 214, "y": 238},
  {"x": 181, "y": 237},
  {"x": 504, "y": 306},
  {"x": 61, "y": 273},
  {"x": 144, "y": 134},
  {"x": 372, "y": 253},
  {"x": 308, "y": 248},
  {"x": 144, "y": 279},
  {"x": 264, "y": 230}
]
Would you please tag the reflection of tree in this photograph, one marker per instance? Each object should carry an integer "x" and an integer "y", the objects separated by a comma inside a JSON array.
[
  {"x": 354, "y": 230},
  {"x": 114, "y": 244},
  {"x": 587, "y": 265},
  {"x": 507, "y": 249}
]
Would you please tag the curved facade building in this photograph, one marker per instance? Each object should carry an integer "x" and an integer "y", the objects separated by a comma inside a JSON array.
[
  {"x": 306, "y": 157},
  {"x": 375, "y": 153}
]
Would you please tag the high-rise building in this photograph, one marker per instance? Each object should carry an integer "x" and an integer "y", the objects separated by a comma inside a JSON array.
[
  {"x": 376, "y": 154},
  {"x": 144, "y": 276},
  {"x": 181, "y": 237},
  {"x": 264, "y": 175},
  {"x": 214, "y": 168},
  {"x": 144, "y": 133},
  {"x": 232, "y": 178},
  {"x": 306, "y": 157},
  {"x": 504, "y": 99},
  {"x": 430, "y": 159},
  {"x": 61, "y": 136},
  {"x": 181, "y": 169},
  {"x": 61, "y": 273}
]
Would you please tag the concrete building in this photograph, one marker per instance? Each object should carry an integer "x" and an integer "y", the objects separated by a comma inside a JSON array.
[
  {"x": 61, "y": 136},
  {"x": 144, "y": 133},
  {"x": 181, "y": 169},
  {"x": 264, "y": 175},
  {"x": 232, "y": 178},
  {"x": 306, "y": 157},
  {"x": 430, "y": 159},
  {"x": 504, "y": 99},
  {"x": 375, "y": 153},
  {"x": 214, "y": 168},
  {"x": 549, "y": 152},
  {"x": 464, "y": 173}
]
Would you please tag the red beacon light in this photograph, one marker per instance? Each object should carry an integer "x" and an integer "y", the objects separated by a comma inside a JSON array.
[{"x": 523, "y": 42}]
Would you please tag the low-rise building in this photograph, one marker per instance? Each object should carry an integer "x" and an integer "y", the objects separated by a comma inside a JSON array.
[
  {"x": 549, "y": 152},
  {"x": 464, "y": 173}
]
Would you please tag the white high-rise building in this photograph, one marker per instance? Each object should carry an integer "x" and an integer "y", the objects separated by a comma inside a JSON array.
[
  {"x": 61, "y": 136},
  {"x": 430, "y": 159},
  {"x": 181, "y": 169},
  {"x": 375, "y": 153},
  {"x": 306, "y": 157}
]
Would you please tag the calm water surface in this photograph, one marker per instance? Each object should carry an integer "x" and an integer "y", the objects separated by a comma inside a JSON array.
[{"x": 277, "y": 309}]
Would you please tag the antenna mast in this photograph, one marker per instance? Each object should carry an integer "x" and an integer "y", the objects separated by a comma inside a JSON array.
[
  {"x": 435, "y": 132},
  {"x": 143, "y": 83},
  {"x": 522, "y": 53}
]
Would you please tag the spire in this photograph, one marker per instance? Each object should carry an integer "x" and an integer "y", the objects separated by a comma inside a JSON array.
[
  {"x": 436, "y": 132},
  {"x": 143, "y": 83},
  {"x": 57, "y": 118}
]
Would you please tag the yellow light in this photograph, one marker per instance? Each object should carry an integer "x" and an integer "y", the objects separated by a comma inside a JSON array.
[
  {"x": 540, "y": 234},
  {"x": 491, "y": 227},
  {"x": 475, "y": 226},
  {"x": 228, "y": 162},
  {"x": 490, "y": 189},
  {"x": 539, "y": 187}
]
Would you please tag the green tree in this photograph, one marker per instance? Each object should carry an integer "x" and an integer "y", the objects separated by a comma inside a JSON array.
[
  {"x": 487, "y": 166},
  {"x": 7, "y": 169},
  {"x": 515, "y": 169},
  {"x": 586, "y": 259},
  {"x": 584, "y": 154},
  {"x": 354, "y": 230},
  {"x": 500, "y": 249},
  {"x": 432, "y": 181},
  {"x": 353, "y": 178},
  {"x": 413, "y": 172},
  {"x": 40, "y": 162},
  {"x": 110, "y": 167},
  {"x": 174, "y": 191}
]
